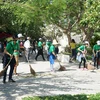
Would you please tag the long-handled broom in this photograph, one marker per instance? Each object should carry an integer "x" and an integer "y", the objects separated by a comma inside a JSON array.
[
  {"x": 32, "y": 71},
  {"x": 2, "y": 72},
  {"x": 62, "y": 68}
]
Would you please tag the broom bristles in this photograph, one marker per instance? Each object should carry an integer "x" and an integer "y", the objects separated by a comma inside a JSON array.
[
  {"x": 62, "y": 68},
  {"x": 32, "y": 71},
  {"x": 2, "y": 72}
]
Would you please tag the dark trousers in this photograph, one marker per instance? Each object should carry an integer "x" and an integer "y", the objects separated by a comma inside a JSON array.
[
  {"x": 74, "y": 53},
  {"x": 84, "y": 62},
  {"x": 40, "y": 52},
  {"x": 11, "y": 64},
  {"x": 97, "y": 59},
  {"x": 34, "y": 49}
]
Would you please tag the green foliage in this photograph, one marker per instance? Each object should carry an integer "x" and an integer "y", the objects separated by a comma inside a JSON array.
[
  {"x": 89, "y": 57},
  {"x": 89, "y": 51},
  {"x": 21, "y": 17},
  {"x": 29, "y": 16},
  {"x": 66, "y": 97},
  {"x": 80, "y": 97},
  {"x": 94, "y": 97},
  {"x": 94, "y": 39},
  {"x": 59, "y": 97},
  {"x": 91, "y": 15}
]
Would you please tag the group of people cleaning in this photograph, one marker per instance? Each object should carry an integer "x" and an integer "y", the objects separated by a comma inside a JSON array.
[
  {"x": 11, "y": 53},
  {"x": 81, "y": 52},
  {"x": 52, "y": 51}
]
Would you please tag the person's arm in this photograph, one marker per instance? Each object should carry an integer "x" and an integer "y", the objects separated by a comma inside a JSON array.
[
  {"x": 29, "y": 44},
  {"x": 53, "y": 51},
  {"x": 94, "y": 52}
]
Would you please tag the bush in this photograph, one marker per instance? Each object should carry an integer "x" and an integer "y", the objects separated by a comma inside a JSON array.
[
  {"x": 93, "y": 40},
  {"x": 89, "y": 51},
  {"x": 66, "y": 97},
  {"x": 89, "y": 57},
  {"x": 59, "y": 97},
  {"x": 94, "y": 97}
]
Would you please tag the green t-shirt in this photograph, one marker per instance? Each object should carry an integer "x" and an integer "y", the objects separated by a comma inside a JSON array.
[
  {"x": 40, "y": 44},
  {"x": 96, "y": 47},
  {"x": 16, "y": 46},
  {"x": 52, "y": 49},
  {"x": 83, "y": 47},
  {"x": 10, "y": 47}
]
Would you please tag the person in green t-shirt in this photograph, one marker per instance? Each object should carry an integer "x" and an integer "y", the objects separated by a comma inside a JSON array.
[
  {"x": 82, "y": 50},
  {"x": 8, "y": 55},
  {"x": 40, "y": 49},
  {"x": 96, "y": 53},
  {"x": 52, "y": 55},
  {"x": 48, "y": 44}
]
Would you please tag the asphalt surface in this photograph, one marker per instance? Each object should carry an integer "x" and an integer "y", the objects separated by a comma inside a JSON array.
[{"x": 71, "y": 81}]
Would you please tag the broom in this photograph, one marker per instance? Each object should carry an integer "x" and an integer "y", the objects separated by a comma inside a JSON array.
[
  {"x": 2, "y": 72},
  {"x": 62, "y": 68},
  {"x": 32, "y": 71}
]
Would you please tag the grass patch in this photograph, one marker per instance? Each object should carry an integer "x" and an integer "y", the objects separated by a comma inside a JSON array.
[
  {"x": 59, "y": 97},
  {"x": 66, "y": 97}
]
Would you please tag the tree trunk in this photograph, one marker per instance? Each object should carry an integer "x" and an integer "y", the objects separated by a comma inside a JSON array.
[
  {"x": 88, "y": 32},
  {"x": 69, "y": 39},
  {"x": 68, "y": 36}
]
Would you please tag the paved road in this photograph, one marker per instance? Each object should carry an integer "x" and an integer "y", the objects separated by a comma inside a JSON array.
[{"x": 71, "y": 81}]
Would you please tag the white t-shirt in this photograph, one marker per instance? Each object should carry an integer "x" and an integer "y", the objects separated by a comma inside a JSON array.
[{"x": 27, "y": 44}]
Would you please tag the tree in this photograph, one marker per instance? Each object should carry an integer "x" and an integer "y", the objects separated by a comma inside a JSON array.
[
  {"x": 90, "y": 22},
  {"x": 22, "y": 17},
  {"x": 27, "y": 16},
  {"x": 65, "y": 14}
]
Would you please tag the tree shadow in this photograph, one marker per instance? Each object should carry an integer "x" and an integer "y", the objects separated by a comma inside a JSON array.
[{"x": 44, "y": 85}]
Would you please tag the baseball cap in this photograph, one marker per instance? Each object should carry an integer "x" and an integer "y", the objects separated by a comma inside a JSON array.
[{"x": 98, "y": 42}]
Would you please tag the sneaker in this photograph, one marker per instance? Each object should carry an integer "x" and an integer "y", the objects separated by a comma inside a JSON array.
[
  {"x": 85, "y": 69},
  {"x": 4, "y": 82},
  {"x": 52, "y": 70},
  {"x": 44, "y": 60},
  {"x": 70, "y": 61},
  {"x": 11, "y": 80},
  {"x": 81, "y": 68},
  {"x": 35, "y": 59}
]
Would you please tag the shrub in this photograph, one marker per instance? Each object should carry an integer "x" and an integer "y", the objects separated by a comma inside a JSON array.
[
  {"x": 59, "y": 97},
  {"x": 94, "y": 97},
  {"x": 89, "y": 51}
]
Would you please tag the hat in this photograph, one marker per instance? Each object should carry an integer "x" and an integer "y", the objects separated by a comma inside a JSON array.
[
  {"x": 28, "y": 38},
  {"x": 54, "y": 42},
  {"x": 20, "y": 35},
  {"x": 98, "y": 42},
  {"x": 9, "y": 39},
  {"x": 40, "y": 38},
  {"x": 86, "y": 42}
]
